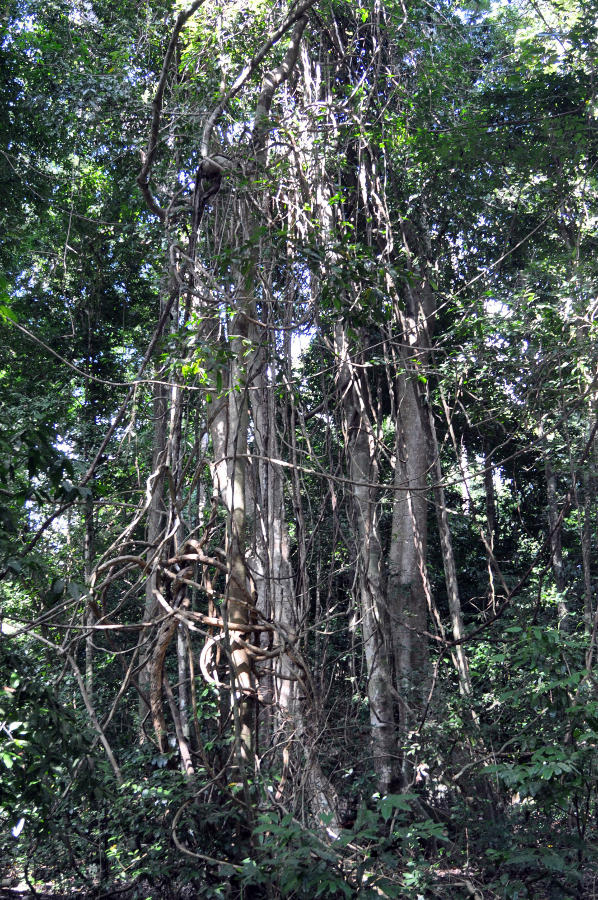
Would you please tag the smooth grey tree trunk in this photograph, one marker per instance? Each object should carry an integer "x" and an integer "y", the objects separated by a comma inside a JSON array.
[
  {"x": 364, "y": 482},
  {"x": 407, "y": 573}
]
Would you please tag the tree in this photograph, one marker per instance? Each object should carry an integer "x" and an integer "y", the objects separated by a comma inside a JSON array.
[{"x": 309, "y": 513}]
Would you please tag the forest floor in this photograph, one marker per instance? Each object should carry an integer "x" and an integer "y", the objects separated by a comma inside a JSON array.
[{"x": 20, "y": 893}]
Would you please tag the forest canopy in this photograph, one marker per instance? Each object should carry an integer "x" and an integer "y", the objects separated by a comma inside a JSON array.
[{"x": 298, "y": 459}]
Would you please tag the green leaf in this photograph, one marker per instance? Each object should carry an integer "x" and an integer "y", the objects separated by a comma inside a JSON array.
[{"x": 7, "y": 314}]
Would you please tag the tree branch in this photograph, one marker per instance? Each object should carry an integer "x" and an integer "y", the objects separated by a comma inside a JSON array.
[
  {"x": 147, "y": 157},
  {"x": 248, "y": 70}
]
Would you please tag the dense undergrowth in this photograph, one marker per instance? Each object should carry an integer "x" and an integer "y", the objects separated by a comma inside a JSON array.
[{"x": 502, "y": 799}]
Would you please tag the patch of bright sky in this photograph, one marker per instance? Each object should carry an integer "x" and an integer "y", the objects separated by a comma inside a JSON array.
[
  {"x": 230, "y": 8},
  {"x": 300, "y": 342},
  {"x": 496, "y": 307},
  {"x": 82, "y": 13}
]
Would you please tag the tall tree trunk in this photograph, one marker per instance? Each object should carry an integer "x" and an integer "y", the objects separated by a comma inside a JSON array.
[
  {"x": 446, "y": 545},
  {"x": 294, "y": 721},
  {"x": 228, "y": 428},
  {"x": 408, "y": 588},
  {"x": 491, "y": 525},
  {"x": 362, "y": 449},
  {"x": 555, "y": 532},
  {"x": 89, "y": 615},
  {"x": 556, "y": 542},
  {"x": 586, "y": 550},
  {"x": 154, "y": 533}
]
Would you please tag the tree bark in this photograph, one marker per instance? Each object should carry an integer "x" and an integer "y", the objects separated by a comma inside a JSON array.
[
  {"x": 555, "y": 533},
  {"x": 364, "y": 479},
  {"x": 448, "y": 557},
  {"x": 154, "y": 532},
  {"x": 407, "y": 574}
]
